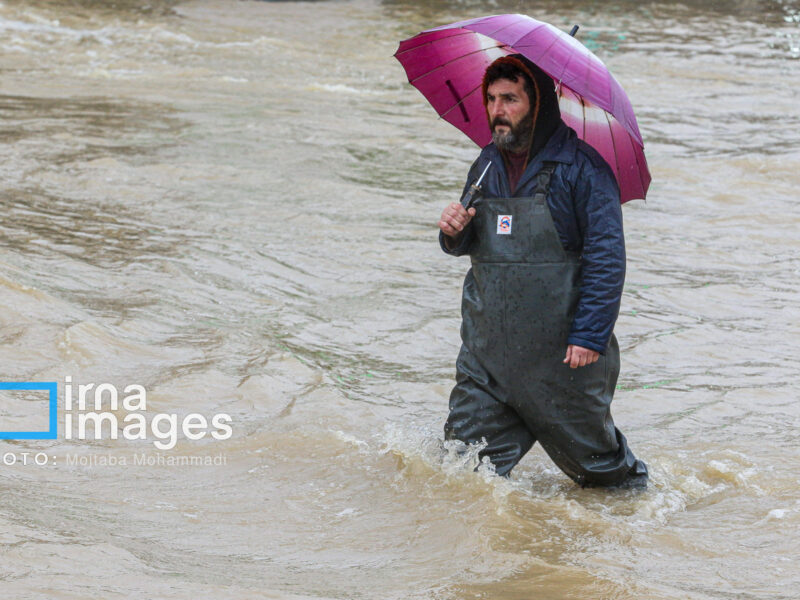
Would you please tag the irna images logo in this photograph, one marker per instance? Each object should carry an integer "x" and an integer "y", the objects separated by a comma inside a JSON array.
[
  {"x": 22, "y": 406},
  {"x": 93, "y": 412}
]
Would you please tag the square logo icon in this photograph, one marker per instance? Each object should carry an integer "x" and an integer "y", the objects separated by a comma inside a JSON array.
[
  {"x": 504, "y": 224},
  {"x": 23, "y": 406}
]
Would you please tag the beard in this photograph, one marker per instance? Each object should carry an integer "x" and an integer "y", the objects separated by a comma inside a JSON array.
[{"x": 518, "y": 138}]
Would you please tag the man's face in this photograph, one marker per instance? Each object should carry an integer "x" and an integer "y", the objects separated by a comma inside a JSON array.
[{"x": 509, "y": 114}]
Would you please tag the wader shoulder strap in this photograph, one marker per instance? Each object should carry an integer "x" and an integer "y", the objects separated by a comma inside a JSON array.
[{"x": 543, "y": 178}]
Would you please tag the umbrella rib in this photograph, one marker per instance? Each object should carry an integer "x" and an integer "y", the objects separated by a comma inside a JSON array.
[
  {"x": 506, "y": 27},
  {"x": 543, "y": 51},
  {"x": 640, "y": 172},
  {"x": 450, "y": 62},
  {"x": 468, "y": 32},
  {"x": 526, "y": 34},
  {"x": 630, "y": 141},
  {"x": 463, "y": 32},
  {"x": 461, "y": 102},
  {"x": 453, "y": 91},
  {"x": 613, "y": 143}
]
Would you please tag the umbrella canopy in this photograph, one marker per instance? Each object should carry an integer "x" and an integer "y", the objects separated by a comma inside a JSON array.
[{"x": 447, "y": 64}]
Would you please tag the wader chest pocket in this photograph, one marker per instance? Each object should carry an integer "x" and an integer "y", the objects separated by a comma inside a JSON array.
[{"x": 503, "y": 229}]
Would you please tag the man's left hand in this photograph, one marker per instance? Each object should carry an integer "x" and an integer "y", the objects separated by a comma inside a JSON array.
[{"x": 578, "y": 356}]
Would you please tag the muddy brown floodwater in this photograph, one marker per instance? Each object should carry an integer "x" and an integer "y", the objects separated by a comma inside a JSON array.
[{"x": 234, "y": 205}]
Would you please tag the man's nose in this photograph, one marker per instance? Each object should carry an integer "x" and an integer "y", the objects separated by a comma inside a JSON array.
[{"x": 496, "y": 109}]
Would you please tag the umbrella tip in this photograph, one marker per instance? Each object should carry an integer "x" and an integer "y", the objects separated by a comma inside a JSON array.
[{"x": 574, "y": 30}]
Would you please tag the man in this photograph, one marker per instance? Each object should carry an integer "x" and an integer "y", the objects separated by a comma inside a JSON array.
[{"x": 539, "y": 360}]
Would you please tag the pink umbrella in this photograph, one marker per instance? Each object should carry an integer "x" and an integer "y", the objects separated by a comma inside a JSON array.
[{"x": 447, "y": 65}]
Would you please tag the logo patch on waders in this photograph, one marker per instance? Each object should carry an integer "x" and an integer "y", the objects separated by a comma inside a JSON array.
[{"x": 504, "y": 224}]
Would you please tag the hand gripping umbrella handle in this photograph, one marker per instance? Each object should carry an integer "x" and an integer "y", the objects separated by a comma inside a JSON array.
[{"x": 474, "y": 190}]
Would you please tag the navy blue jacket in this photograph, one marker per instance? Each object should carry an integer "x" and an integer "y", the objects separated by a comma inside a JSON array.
[{"x": 584, "y": 203}]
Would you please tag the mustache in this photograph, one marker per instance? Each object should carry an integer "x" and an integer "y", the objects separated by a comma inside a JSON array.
[{"x": 500, "y": 121}]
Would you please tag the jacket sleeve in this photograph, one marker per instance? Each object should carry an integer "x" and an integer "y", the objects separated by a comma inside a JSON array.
[
  {"x": 599, "y": 216},
  {"x": 468, "y": 234}
]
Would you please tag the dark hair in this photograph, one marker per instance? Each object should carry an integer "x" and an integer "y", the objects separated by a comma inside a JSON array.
[{"x": 505, "y": 70}]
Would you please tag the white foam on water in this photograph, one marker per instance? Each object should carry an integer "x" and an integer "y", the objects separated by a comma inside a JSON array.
[
  {"x": 674, "y": 486},
  {"x": 362, "y": 446},
  {"x": 340, "y": 88}
]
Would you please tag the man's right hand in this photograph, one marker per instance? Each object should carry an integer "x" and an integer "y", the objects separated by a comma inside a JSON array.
[{"x": 454, "y": 219}]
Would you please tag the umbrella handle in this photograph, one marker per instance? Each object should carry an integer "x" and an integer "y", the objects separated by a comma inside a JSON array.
[{"x": 472, "y": 195}]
